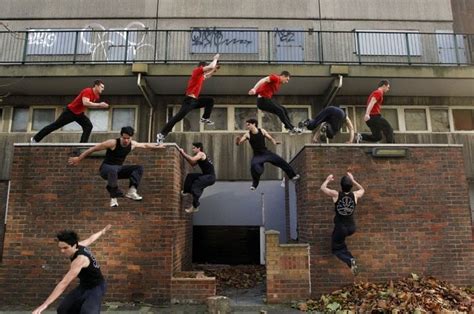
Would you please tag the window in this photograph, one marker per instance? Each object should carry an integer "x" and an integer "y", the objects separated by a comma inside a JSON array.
[
  {"x": 42, "y": 117},
  {"x": 20, "y": 120},
  {"x": 439, "y": 120},
  {"x": 391, "y": 115},
  {"x": 463, "y": 119},
  {"x": 415, "y": 120},
  {"x": 232, "y": 118},
  {"x": 99, "y": 119},
  {"x": 219, "y": 116},
  {"x": 122, "y": 117},
  {"x": 243, "y": 114},
  {"x": 387, "y": 43},
  {"x": 58, "y": 42}
]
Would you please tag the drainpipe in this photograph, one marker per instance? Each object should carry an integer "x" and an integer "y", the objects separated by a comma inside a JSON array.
[
  {"x": 334, "y": 90},
  {"x": 150, "y": 106}
]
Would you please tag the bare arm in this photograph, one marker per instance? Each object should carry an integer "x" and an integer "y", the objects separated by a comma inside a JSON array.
[
  {"x": 192, "y": 160},
  {"x": 146, "y": 145},
  {"x": 253, "y": 91},
  {"x": 329, "y": 192},
  {"x": 76, "y": 266},
  {"x": 86, "y": 102},
  {"x": 267, "y": 135},
  {"x": 372, "y": 102},
  {"x": 74, "y": 161},
  {"x": 240, "y": 139},
  {"x": 211, "y": 65},
  {"x": 351, "y": 130},
  {"x": 95, "y": 236},
  {"x": 211, "y": 72},
  {"x": 316, "y": 135},
  {"x": 360, "y": 190}
]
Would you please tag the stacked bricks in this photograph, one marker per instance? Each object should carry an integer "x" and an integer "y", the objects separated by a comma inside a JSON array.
[
  {"x": 149, "y": 240},
  {"x": 413, "y": 218},
  {"x": 287, "y": 270},
  {"x": 192, "y": 287}
]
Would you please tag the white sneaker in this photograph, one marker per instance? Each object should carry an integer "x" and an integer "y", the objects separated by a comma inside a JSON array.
[
  {"x": 160, "y": 138},
  {"x": 207, "y": 121},
  {"x": 358, "y": 138},
  {"x": 252, "y": 188},
  {"x": 295, "y": 178},
  {"x": 191, "y": 209},
  {"x": 354, "y": 268},
  {"x": 132, "y": 194},
  {"x": 113, "y": 202},
  {"x": 184, "y": 193},
  {"x": 32, "y": 140}
]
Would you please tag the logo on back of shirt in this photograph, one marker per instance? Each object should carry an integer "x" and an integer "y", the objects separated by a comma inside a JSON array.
[
  {"x": 345, "y": 206},
  {"x": 92, "y": 257}
]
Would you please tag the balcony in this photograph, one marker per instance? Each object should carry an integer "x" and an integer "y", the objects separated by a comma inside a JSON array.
[{"x": 249, "y": 45}]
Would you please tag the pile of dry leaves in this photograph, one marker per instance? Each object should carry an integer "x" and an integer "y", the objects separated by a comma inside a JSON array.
[
  {"x": 413, "y": 294},
  {"x": 234, "y": 276}
]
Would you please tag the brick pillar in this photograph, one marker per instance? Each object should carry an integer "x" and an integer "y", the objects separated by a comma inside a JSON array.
[{"x": 288, "y": 277}]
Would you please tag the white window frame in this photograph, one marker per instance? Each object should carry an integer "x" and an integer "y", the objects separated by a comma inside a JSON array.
[
  {"x": 178, "y": 127},
  {"x": 59, "y": 110},
  {"x": 451, "y": 118},
  {"x": 403, "y": 128}
]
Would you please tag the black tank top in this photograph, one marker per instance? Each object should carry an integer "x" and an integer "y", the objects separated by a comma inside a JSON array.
[
  {"x": 91, "y": 276},
  {"x": 118, "y": 155},
  {"x": 257, "y": 141},
  {"x": 206, "y": 166},
  {"x": 344, "y": 207}
]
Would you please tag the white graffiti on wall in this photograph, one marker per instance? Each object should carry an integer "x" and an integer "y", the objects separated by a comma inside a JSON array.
[
  {"x": 115, "y": 44},
  {"x": 93, "y": 39}
]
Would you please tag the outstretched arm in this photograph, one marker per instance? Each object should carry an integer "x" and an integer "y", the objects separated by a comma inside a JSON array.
[
  {"x": 192, "y": 160},
  {"x": 329, "y": 192},
  {"x": 351, "y": 130},
  {"x": 101, "y": 146},
  {"x": 76, "y": 266},
  {"x": 240, "y": 139},
  {"x": 267, "y": 135},
  {"x": 212, "y": 65},
  {"x": 211, "y": 72},
  {"x": 360, "y": 190},
  {"x": 253, "y": 91},
  {"x": 146, "y": 145},
  {"x": 95, "y": 236}
]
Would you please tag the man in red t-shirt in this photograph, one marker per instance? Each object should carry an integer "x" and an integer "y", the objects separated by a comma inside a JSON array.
[
  {"x": 373, "y": 117},
  {"x": 192, "y": 99},
  {"x": 74, "y": 112},
  {"x": 264, "y": 89}
]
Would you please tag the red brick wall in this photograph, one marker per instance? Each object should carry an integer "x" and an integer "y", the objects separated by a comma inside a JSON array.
[
  {"x": 147, "y": 241},
  {"x": 192, "y": 287},
  {"x": 287, "y": 268},
  {"x": 414, "y": 216}
]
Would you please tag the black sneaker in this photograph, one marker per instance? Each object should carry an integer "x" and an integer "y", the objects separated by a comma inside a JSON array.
[
  {"x": 207, "y": 121},
  {"x": 303, "y": 124}
]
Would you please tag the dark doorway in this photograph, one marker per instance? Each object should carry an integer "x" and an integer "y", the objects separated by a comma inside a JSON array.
[{"x": 230, "y": 245}]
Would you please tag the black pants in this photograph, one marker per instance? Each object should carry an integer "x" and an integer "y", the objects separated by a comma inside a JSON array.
[
  {"x": 65, "y": 118},
  {"x": 378, "y": 125},
  {"x": 189, "y": 104},
  {"x": 338, "y": 241},
  {"x": 112, "y": 173},
  {"x": 257, "y": 166},
  {"x": 272, "y": 106},
  {"x": 83, "y": 301},
  {"x": 195, "y": 183},
  {"x": 333, "y": 116}
]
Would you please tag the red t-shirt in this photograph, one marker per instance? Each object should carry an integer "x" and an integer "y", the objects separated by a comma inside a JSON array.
[
  {"x": 267, "y": 90},
  {"x": 195, "y": 82},
  {"x": 76, "y": 106},
  {"x": 378, "y": 95}
]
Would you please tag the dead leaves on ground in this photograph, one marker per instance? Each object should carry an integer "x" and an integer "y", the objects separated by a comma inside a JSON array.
[{"x": 414, "y": 294}]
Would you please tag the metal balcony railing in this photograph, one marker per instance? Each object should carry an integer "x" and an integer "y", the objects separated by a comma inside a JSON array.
[{"x": 86, "y": 46}]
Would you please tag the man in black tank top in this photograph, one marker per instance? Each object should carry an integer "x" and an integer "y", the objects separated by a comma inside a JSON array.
[
  {"x": 112, "y": 167},
  {"x": 195, "y": 183},
  {"x": 344, "y": 225},
  {"x": 261, "y": 154},
  {"x": 87, "y": 297}
]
